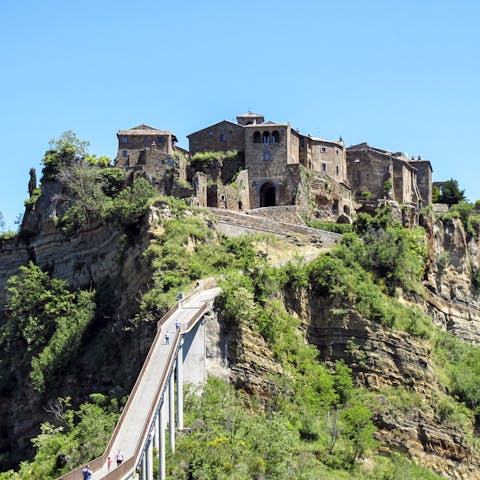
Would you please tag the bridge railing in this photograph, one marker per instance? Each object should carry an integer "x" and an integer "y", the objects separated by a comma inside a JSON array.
[{"x": 127, "y": 466}]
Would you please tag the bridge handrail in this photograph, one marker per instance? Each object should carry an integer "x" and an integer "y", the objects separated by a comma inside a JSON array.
[{"x": 129, "y": 464}]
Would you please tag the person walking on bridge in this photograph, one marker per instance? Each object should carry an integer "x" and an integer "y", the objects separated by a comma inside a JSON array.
[
  {"x": 119, "y": 457},
  {"x": 87, "y": 473}
]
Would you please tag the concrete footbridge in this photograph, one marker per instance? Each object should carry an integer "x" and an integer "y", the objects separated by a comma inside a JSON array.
[{"x": 177, "y": 355}]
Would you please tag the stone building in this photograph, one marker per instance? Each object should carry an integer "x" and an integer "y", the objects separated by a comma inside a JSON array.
[
  {"x": 277, "y": 159},
  {"x": 378, "y": 174},
  {"x": 133, "y": 145},
  {"x": 152, "y": 153},
  {"x": 255, "y": 163}
]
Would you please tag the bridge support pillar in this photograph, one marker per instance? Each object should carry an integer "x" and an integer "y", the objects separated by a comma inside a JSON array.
[
  {"x": 156, "y": 433},
  {"x": 171, "y": 410},
  {"x": 144, "y": 467},
  {"x": 149, "y": 455},
  {"x": 180, "y": 387},
  {"x": 161, "y": 453}
]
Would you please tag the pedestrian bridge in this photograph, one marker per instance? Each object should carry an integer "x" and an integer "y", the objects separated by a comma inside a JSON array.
[{"x": 154, "y": 404}]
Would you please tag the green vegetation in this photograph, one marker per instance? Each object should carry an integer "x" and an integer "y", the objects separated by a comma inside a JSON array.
[
  {"x": 450, "y": 193},
  {"x": 330, "y": 226},
  {"x": 387, "y": 187},
  {"x": 75, "y": 436},
  {"x": 44, "y": 327},
  {"x": 460, "y": 362},
  {"x": 202, "y": 160},
  {"x": 93, "y": 189}
]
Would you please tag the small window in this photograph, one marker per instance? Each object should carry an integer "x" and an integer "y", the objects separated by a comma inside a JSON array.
[
  {"x": 210, "y": 133},
  {"x": 160, "y": 140},
  {"x": 124, "y": 139},
  {"x": 275, "y": 137},
  {"x": 324, "y": 149},
  {"x": 324, "y": 167},
  {"x": 337, "y": 169},
  {"x": 222, "y": 197},
  {"x": 124, "y": 153},
  {"x": 257, "y": 137},
  {"x": 266, "y": 137},
  {"x": 145, "y": 142},
  {"x": 222, "y": 137},
  {"x": 267, "y": 156}
]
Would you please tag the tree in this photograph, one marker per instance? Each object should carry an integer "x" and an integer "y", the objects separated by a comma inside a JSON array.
[
  {"x": 64, "y": 152},
  {"x": 450, "y": 192},
  {"x": 2, "y": 223},
  {"x": 45, "y": 323}
]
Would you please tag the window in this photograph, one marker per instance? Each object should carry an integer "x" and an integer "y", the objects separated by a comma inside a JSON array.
[
  {"x": 210, "y": 133},
  {"x": 257, "y": 137},
  {"x": 124, "y": 139},
  {"x": 160, "y": 140},
  {"x": 222, "y": 137},
  {"x": 337, "y": 169},
  {"x": 324, "y": 149},
  {"x": 275, "y": 137},
  {"x": 266, "y": 137},
  {"x": 222, "y": 197},
  {"x": 324, "y": 167},
  {"x": 267, "y": 155},
  {"x": 124, "y": 153}
]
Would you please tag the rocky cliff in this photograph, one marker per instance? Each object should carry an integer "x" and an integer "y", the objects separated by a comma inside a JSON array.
[{"x": 103, "y": 257}]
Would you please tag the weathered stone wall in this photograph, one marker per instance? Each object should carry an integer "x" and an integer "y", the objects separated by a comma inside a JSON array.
[
  {"x": 221, "y": 137},
  {"x": 323, "y": 156},
  {"x": 367, "y": 173},
  {"x": 135, "y": 143},
  {"x": 424, "y": 180}
]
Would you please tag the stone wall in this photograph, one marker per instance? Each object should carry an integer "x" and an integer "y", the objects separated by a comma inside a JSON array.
[
  {"x": 424, "y": 180},
  {"x": 221, "y": 137}
]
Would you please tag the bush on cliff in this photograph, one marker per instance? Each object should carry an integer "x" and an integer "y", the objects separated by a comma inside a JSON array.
[{"x": 44, "y": 327}]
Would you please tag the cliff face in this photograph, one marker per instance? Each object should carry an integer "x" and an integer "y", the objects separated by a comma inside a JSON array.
[
  {"x": 454, "y": 257},
  {"x": 100, "y": 257}
]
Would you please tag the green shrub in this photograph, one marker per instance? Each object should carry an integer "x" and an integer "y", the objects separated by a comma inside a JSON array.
[{"x": 45, "y": 325}]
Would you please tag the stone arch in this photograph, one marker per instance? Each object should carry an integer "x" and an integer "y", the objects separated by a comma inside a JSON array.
[
  {"x": 268, "y": 195},
  {"x": 275, "y": 137},
  {"x": 343, "y": 218},
  {"x": 266, "y": 137}
]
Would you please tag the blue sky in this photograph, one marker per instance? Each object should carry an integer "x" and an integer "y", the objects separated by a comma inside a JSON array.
[{"x": 403, "y": 76}]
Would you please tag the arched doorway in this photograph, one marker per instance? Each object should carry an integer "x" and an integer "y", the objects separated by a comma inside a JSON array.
[{"x": 267, "y": 195}]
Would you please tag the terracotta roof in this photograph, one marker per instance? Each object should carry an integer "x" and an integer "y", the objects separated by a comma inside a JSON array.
[
  {"x": 214, "y": 125},
  {"x": 324, "y": 140},
  {"x": 250, "y": 114},
  {"x": 144, "y": 130}
]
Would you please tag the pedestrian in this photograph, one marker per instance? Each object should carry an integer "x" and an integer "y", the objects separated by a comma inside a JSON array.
[
  {"x": 86, "y": 472},
  {"x": 119, "y": 457},
  {"x": 167, "y": 338},
  {"x": 109, "y": 462},
  {"x": 177, "y": 324}
]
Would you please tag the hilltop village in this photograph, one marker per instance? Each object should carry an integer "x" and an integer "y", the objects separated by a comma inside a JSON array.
[{"x": 253, "y": 164}]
